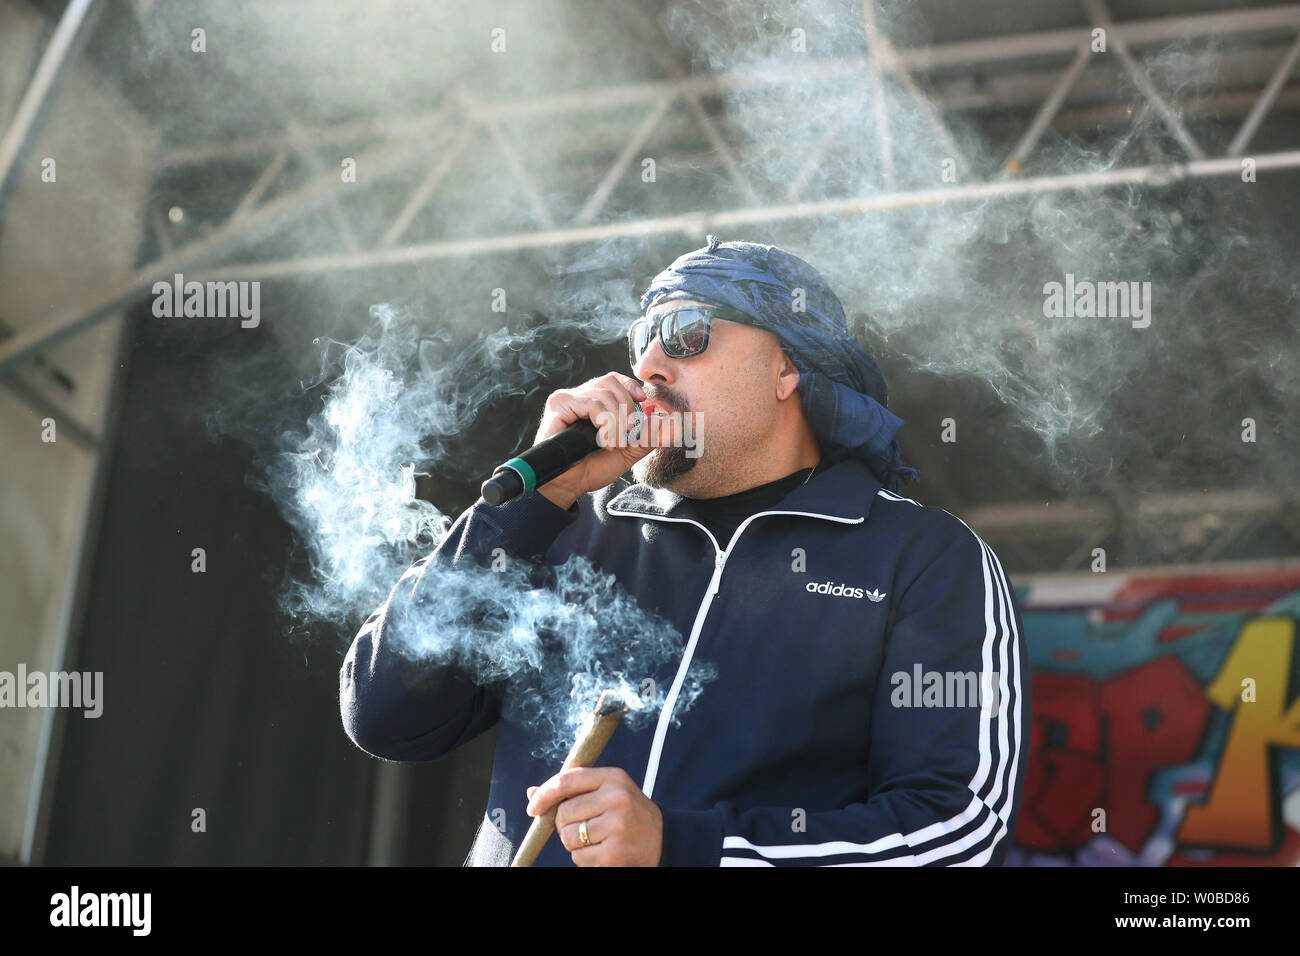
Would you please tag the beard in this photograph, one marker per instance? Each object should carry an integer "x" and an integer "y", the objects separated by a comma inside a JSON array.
[
  {"x": 666, "y": 464},
  {"x": 663, "y": 466}
]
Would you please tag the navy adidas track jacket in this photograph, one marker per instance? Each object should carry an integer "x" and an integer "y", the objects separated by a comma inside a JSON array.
[{"x": 872, "y": 699}]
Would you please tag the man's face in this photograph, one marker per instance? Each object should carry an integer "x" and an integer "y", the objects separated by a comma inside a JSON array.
[{"x": 728, "y": 392}]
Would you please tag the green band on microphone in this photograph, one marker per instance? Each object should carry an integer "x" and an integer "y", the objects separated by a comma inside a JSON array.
[{"x": 525, "y": 472}]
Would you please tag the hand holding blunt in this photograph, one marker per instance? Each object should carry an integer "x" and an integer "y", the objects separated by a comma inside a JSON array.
[{"x": 604, "y": 720}]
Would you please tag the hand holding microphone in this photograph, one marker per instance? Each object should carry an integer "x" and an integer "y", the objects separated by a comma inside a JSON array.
[{"x": 579, "y": 429}]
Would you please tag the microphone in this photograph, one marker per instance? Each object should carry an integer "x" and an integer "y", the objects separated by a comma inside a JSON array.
[{"x": 529, "y": 470}]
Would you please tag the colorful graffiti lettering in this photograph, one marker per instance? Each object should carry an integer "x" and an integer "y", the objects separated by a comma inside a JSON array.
[{"x": 1166, "y": 725}]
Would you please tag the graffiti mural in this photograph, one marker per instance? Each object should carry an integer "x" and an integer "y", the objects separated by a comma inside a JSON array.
[{"x": 1166, "y": 720}]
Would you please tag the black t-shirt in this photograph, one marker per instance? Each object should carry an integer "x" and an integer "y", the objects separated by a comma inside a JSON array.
[{"x": 723, "y": 516}]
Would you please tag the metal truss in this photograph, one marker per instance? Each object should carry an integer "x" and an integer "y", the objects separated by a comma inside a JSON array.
[{"x": 422, "y": 151}]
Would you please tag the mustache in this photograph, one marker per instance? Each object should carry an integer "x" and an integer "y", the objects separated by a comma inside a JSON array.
[{"x": 667, "y": 397}]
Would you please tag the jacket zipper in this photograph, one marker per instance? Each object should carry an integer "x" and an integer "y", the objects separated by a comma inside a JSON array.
[{"x": 719, "y": 560}]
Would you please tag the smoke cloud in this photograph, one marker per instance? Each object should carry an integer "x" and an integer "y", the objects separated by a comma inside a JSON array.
[
  {"x": 553, "y": 639},
  {"x": 950, "y": 295}
]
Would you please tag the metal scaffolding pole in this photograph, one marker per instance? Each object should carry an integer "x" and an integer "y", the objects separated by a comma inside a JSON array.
[
  {"x": 874, "y": 56},
  {"x": 1046, "y": 113},
  {"x": 74, "y": 15},
  {"x": 1265, "y": 101},
  {"x": 421, "y": 195},
  {"x": 1132, "y": 32},
  {"x": 610, "y": 180},
  {"x": 696, "y": 224}
]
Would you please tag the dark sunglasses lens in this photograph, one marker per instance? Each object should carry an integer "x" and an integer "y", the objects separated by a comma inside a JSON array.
[
  {"x": 638, "y": 339},
  {"x": 685, "y": 333}
]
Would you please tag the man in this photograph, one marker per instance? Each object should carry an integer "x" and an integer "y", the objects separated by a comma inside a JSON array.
[{"x": 870, "y": 705}]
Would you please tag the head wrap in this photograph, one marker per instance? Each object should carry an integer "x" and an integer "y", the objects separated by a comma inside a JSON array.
[{"x": 842, "y": 389}]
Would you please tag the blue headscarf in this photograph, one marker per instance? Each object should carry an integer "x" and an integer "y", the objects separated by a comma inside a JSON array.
[{"x": 841, "y": 387}]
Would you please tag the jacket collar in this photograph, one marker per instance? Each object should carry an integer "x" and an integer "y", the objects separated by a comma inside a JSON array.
[{"x": 845, "y": 490}]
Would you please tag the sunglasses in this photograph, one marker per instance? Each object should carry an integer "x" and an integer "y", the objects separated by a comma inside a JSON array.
[{"x": 682, "y": 332}]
